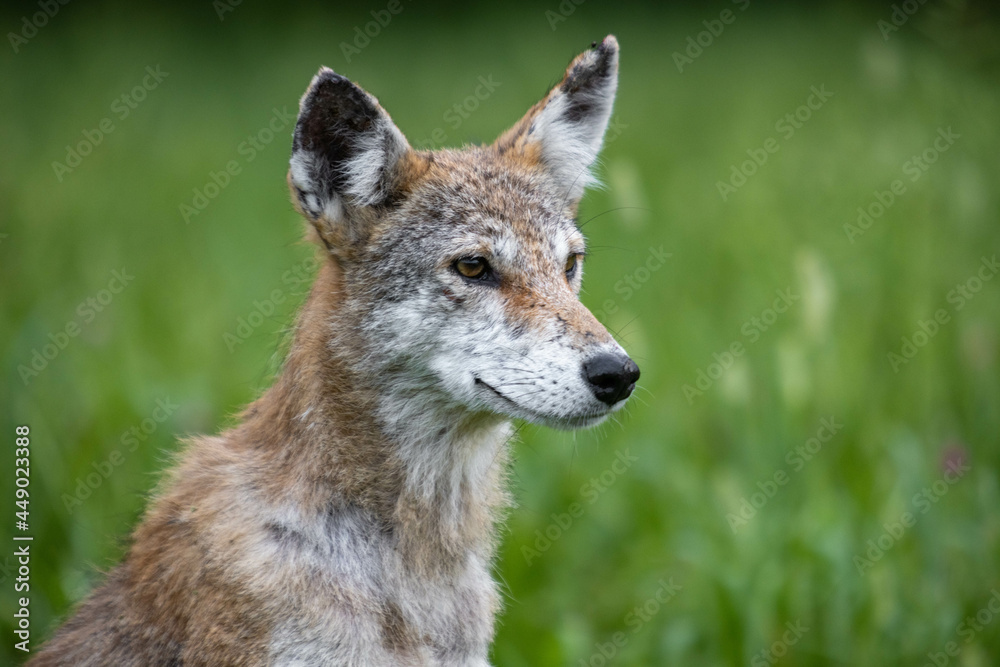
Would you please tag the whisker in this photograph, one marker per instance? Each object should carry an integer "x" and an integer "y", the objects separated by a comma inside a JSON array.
[
  {"x": 528, "y": 393},
  {"x": 623, "y": 327},
  {"x": 519, "y": 368},
  {"x": 612, "y": 210},
  {"x": 522, "y": 353}
]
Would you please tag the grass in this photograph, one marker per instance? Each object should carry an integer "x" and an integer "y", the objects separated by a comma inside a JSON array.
[{"x": 609, "y": 519}]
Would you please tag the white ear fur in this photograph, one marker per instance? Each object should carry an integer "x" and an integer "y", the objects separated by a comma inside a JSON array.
[
  {"x": 345, "y": 150},
  {"x": 570, "y": 125},
  {"x": 366, "y": 175},
  {"x": 569, "y": 149}
]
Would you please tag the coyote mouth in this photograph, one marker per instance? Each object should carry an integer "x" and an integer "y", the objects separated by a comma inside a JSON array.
[
  {"x": 483, "y": 383},
  {"x": 582, "y": 421}
]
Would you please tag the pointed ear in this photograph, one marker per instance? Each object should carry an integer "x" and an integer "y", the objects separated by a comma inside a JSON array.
[
  {"x": 347, "y": 156},
  {"x": 564, "y": 131}
]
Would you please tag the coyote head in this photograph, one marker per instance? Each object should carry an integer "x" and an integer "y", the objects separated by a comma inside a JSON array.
[{"x": 459, "y": 270}]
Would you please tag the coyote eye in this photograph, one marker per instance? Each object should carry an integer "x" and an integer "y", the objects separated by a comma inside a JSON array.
[
  {"x": 571, "y": 263},
  {"x": 475, "y": 268}
]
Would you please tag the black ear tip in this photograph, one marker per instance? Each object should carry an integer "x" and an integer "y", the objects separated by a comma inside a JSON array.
[
  {"x": 606, "y": 56},
  {"x": 333, "y": 95},
  {"x": 322, "y": 77},
  {"x": 593, "y": 67},
  {"x": 325, "y": 77}
]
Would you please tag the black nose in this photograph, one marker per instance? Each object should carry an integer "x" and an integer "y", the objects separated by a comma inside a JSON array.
[{"x": 611, "y": 376}]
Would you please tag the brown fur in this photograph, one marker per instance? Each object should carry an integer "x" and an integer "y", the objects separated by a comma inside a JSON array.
[
  {"x": 173, "y": 595},
  {"x": 228, "y": 553}
]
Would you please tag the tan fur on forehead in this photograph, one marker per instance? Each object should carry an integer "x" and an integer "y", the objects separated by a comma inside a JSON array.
[{"x": 495, "y": 183}]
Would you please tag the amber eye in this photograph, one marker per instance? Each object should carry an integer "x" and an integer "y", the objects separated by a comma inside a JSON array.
[
  {"x": 472, "y": 267},
  {"x": 571, "y": 263}
]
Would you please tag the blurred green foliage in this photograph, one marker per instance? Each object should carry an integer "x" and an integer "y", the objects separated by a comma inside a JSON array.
[{"x": 592, "y": 542}]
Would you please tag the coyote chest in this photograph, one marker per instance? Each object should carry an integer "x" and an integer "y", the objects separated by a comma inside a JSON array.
[{"x": 357, "y": 592}]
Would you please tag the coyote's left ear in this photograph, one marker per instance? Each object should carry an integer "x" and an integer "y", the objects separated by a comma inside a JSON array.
[
  {"x": 347, "y": 158},
  {"x": 564, "y": 131}
]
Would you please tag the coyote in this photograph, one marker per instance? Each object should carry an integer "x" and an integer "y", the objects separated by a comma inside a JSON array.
[{"x": 350, "y": 518}]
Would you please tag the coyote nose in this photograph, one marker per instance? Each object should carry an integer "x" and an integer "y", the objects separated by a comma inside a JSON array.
[{"x": 611, "y": 376}]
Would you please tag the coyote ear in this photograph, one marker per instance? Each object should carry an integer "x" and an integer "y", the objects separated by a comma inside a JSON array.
[
  {"x": 564, "y": 131},
  {"x": 347, "y": 154}
]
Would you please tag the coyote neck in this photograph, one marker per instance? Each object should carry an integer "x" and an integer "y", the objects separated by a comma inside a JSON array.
[{"x": 332, "y": 438}]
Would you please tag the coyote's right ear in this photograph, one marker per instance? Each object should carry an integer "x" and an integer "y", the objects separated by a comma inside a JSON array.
[
  {"x": 347, "y": 156},
  {"x": 564, "y": 131}
]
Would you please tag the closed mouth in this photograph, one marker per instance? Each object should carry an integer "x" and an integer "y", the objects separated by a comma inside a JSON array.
[{"x": 583, "y": 421}]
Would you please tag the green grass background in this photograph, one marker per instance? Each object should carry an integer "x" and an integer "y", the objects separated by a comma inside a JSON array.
[{"x": 663, "y": 517}]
